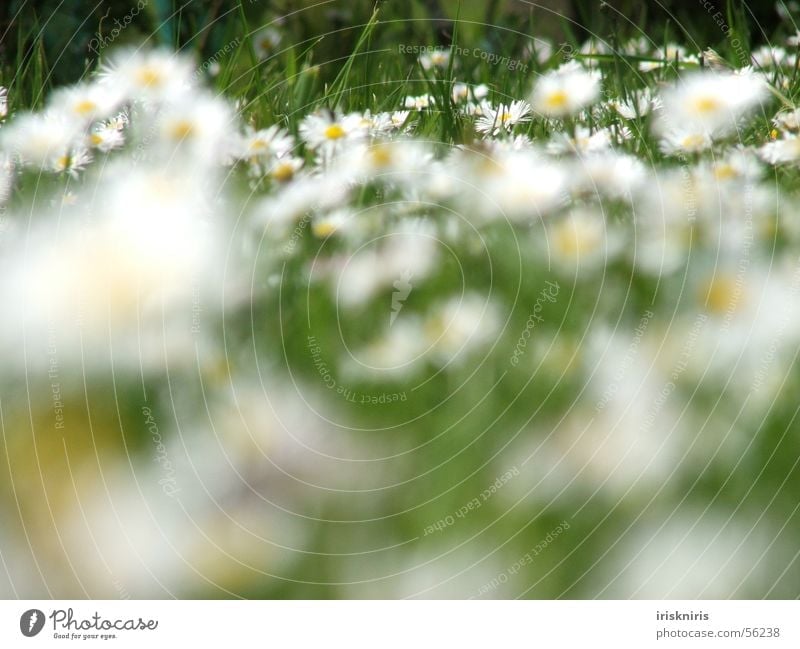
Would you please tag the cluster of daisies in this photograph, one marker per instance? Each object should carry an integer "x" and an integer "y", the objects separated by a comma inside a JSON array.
[
  {"x": 143, "y": 214},
  {"x": 144, "y": 148}
]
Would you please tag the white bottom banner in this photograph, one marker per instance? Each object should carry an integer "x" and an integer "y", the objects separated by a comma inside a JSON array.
[{"x": 372, "y": 624}]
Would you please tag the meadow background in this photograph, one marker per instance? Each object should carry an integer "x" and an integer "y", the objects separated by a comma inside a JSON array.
[{"x": 368, "y": 364}]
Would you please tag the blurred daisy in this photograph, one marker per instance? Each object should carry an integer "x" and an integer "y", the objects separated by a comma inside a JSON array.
[
  {"x": 151, "y": 76},
  {"x": 678, "y": 141},
  {"x": 436, "y": 59},
  {"x": 710, "y": 102},
  {"x": 86, "y": 102},
  {"x": 584, "y": 141},
  {"x": 638, "y": 105},
  {"x": 464, "y": 92},
  {"x": 105, "y": 137},
  {"x": 565, "y": 91},
  {"x": 419, "y": 102},
  {"x": 39, "y": 140},
  {"x": 460, "y": 325},
  {"x": 266, "y": 41},
  {"x": 783, "y": 151},
  {"x": 3, "y": 102},
  {"x": 199, "y": 125}
]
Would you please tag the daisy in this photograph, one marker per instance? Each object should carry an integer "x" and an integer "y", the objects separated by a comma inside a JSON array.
[
  {"x": 565, "y": 91},
  {"x": 72, "y": 162},
  {"x": 788, "y": 120},
  {"x": 420, "y": 102},
  {"x": 785, "y": 150},
  {"x": 710, "y": 102},
  {"x": 503, "y": 118},
  {"x": 461, "y": 325},
  {"x": 198, "y": 125},
  {"x": 39, "y": 140},
  {"x": 285, "y": 168},
  {"x": 336, "y": 222},
  {"x": 86, "y": 102},
  {"x": 582, "y": 238},
  {"x": 266, "y": 41},
  {"x": 153, "y": 76},
  {"x": 584, "y": 141},
  {"x": 328, "y": 131},
  {"x": 463, "y": 92},
  {"x": 681, "y": 141},
  {"x": 639, "y": 105},
  {"x": 105, "y": 137},
  {"x": 436, "y": 59},
  {"x": 608, "y": 173},
  {"x": 264, "y": 143}
]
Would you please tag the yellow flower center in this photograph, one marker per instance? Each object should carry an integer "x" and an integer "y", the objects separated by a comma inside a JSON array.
[
  {"x": 721, "y": 295},
  {"x": 724, "y": 172},
  {"x": 259, "y": 144},
  {"x": 149, "y": 76},
  {"x": 557, "y": 99},
  {"x": 706, "y": 105},
  {"x": 572, "y": 238},
  {"x": 334, "y": 132},
  {"x": 85, "y": 107},
  {"x": 283, "y": 172},
  {"x": 323, "y": 229},
  {"x": 181, "y": 129},
  {"x": 695, "y": 141},
  {"x": 95, "y": 139},
  {"x": 381, "y": 156},
  {"x": 505, "y": 117}
]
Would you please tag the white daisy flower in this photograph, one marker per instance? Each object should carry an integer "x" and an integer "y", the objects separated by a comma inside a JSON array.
[
  {"x": 464, "y": 92},
  {"x": 151, "y": 76},
  {"x": 39, "y": 140},
  {"x": 86, "y": 102},
  {"x": 337, "y": 222},
  {"x": 105, "y": 137},
  {"x": 769, "y": 57},
  {"x": 788, "y": 120},
  {"x": 680, "y": 141},
  {"x": 503, "y": 118},
  {"x": 710, "y": 102},
  {"x": 199, "y": 125},
  {"x": 461, "y": 325},
  {"x": 565, "y": 91},
  {"x": 266, "y": 41},
  {"x": 436, "y": 59},
  {"x": 609, "y": 174},
  {"x": 273, "y": 141},
  {"x": 584, "y": 141},
  {"x": 783, "y": 151},
  {"x": 285, "y": 168},
  {"x": 420, "y": 102},
  {"x": 582, "y": 239},
  {"x": 639, "y": 105},
  {"x": 328, "y": 131},
  {"x": 72, "y": 162}
]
